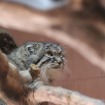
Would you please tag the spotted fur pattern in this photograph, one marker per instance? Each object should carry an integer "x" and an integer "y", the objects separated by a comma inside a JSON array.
[{"x": 39, "y": 53}]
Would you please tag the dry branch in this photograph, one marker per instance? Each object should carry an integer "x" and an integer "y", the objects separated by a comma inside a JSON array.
[
  {"x": 61, "y": 96},
  {"x": 4, "y": 69},
  {"x": 42, "y": 92}
]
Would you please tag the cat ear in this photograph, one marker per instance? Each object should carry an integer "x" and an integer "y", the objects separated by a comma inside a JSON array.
[{"x": 7, "y": 44}]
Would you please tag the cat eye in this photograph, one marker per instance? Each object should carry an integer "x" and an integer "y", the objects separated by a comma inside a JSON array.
[
  {"x": 49, "y": 53},
  {"x": 30, "y": 50},
  {"x": 60, "y": 53}
]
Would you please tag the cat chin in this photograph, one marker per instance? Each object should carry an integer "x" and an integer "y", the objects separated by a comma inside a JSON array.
[{"x": 50, "y": 66}]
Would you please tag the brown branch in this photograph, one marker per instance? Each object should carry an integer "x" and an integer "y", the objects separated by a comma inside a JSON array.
[
  {"x": 4, "y": 69},
  {"x": 61, "y": 96}
]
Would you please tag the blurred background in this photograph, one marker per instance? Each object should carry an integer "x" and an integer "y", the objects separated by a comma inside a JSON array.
[{"x": 79, "y": 26}]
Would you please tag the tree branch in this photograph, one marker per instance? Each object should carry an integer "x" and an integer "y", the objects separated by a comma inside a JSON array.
[{"x": 61, "y": 96}]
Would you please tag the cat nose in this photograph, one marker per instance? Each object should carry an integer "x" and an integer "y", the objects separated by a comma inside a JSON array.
[
  {"x": 59, "y": 60},
  {"x": 60, "y": 63}
]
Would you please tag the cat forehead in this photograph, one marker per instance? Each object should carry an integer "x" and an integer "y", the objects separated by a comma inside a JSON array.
[
  {"x": 53, "y": 47},
  {"x": 45, "y": 45},
  {"x": 32, "y": 44}
]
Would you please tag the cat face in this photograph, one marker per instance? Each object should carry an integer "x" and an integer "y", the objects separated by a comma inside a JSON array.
[{"x": 53, "y": 56}]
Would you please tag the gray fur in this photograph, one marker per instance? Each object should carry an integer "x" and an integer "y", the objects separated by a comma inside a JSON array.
[
  {"x": 37, "y": 53},
  {"x": 26, "y": 54},
  {"x": 46, "y": 56}
]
